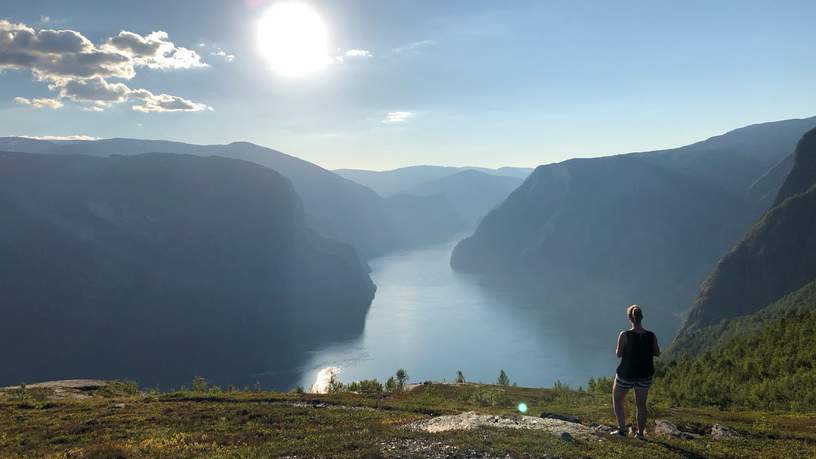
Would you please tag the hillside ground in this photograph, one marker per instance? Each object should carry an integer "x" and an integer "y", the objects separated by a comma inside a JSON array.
[{"x": 118, "y": 420}]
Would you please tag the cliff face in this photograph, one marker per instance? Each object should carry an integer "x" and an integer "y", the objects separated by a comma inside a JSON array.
[
  {"x": 161, "y": 267},
  {"x": 652, "y": 225},
  {"x": 776, "y": 257}
]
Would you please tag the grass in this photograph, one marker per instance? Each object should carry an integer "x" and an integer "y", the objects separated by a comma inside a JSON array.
[{"x": 271, "y": 424}]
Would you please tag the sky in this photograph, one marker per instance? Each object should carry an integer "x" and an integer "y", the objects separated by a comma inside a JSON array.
[{"x": 405, "y": 82}]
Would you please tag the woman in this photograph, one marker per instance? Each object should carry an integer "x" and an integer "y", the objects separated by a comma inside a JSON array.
[{"x": 636, "y": 348}]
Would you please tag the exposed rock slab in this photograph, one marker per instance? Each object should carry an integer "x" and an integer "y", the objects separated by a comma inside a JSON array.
[
  {"x": 66, "y": 388},
  {"x": 472, "y": 420},
  {"x": 723, "y": 432}
]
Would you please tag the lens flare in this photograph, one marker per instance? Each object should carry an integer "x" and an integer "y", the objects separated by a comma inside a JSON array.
[{"x": 522, "y": 407}]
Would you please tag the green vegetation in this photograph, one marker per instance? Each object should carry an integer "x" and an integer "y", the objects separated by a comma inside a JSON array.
[
  {"x": 765, "y": 360},
  {"x": 503, "y": 380},
  {"x": 118, "y": 423},
  {"x": 704, "y": 338}
]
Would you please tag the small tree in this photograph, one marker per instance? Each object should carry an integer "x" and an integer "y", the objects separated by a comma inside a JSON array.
[
  {"x": 391, "y": 385},
  {"x": 199, "y": 384},
  {"x": 460, "y": 378},
  {"x": 503, "y": 379},
  {"x": 402, "y": 378}
]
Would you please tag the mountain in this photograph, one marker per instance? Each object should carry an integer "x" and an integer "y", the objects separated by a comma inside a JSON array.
[
  {"x": 406, "y": 178},
  {"x": 776, "y": 257},
  {"x": 411, "y": 216},
  {"x": 161, "y": 267},
  {"x": 472, "y": 193},
  {"x": 336, "y": 207},
  {"x": 642, "y": 227}
]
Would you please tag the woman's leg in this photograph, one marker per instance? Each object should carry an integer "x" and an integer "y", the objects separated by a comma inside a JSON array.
[
  {"x": 618, "y": 400},
  {"x": 640, "y": 401}
]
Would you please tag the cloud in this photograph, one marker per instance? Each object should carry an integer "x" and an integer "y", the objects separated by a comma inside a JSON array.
[
  {"x": 166, "y": 103},
  {"x": 221, "y": 53},
  {"x": 59, "y": 137},
  {"x": 397, "y": 117},
  {"x": 95, "y": 89},
  {"x": 415, "y": 47},
  {"x": 362, "y": 53},
  {"x": 80, "y": 71},
  {"x": 39, "y": 102},
  {"x": 154, "y": 51}
]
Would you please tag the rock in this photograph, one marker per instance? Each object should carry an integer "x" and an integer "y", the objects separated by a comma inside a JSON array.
[
  {"x": 565, "y": 436},
  {"x": 473, "y": 420},
  {"x": 722, "y": 432},
  {"x": 666, "y": 428},
  {"x": 562, "y": 417},
  {"x": 119, "y": 405},
  {"x": 600, "y": 428}
]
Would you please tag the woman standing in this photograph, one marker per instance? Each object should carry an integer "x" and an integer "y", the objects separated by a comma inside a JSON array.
[{"x": 636, "y": 348}]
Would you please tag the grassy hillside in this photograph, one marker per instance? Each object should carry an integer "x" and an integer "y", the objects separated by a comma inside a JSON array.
[
  {"x": 761, "y": 361},
  {"x": 122, "y": 422},
  {"x": 710, "y": 336}
]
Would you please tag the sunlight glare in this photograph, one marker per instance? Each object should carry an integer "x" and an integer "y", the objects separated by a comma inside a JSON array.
[{"x": 293, "y": 38}]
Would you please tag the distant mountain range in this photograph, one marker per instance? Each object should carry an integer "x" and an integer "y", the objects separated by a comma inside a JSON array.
[
  {"x": 162, "y": 267},
  {"x": 776, "y": 257},
  {"x": 636, "y": 228},
  {"x": 336, "y": 207},
  {"x": 471, "y": 191},
  {"x": 406, "y": 178}
]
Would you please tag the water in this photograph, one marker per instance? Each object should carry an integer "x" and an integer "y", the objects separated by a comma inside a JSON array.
[{"x": 433, "y": 321}]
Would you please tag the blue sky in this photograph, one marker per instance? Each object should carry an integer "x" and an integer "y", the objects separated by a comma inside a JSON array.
[{"x": 470, "y": 82}]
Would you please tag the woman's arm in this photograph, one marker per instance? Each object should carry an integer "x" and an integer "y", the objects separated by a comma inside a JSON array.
[
  {"x": 619, "y": 347},
  {"x": 656, "y": 347}
]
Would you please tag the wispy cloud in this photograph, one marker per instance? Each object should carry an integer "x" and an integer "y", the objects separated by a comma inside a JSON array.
[
  {"x": 80, "y": 71},
  {"x": 416, "y": 47},
  {"x": 39, "y": 102},
  {"x": 397, "y": 117},
  {"x": 363, "y": 53},
  {"x": 221, "y": 53}
]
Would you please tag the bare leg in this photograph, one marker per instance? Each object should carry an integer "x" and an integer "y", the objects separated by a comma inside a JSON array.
[
  {"x": 618, "y": 400},
  {"x": 640, "y": 401}
]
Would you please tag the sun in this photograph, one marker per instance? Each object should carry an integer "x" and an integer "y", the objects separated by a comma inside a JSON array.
[{"x": 293, "y": 38}]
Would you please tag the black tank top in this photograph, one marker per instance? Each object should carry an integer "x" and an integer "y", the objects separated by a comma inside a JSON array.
[{"x": 638, "y": 354}]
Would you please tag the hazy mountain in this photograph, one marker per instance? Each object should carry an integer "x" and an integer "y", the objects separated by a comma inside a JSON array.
[
  {"x": 336, "y": 207},
  {"x": 644, "y": 227},
  {"x": 776, "y": 257},
  {"x": 472, "y": 193},
  {"x": 160, "y": 267},
  {"x": 406, "y": 178},
  {"x": 424, "y": 219}
]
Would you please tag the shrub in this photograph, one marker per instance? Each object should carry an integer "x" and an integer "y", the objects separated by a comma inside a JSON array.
[
  {"x": 402, "y": 378},
  {"x": 460, "y": 378},
  {"x": 391, "y": 385},
  {"x": 199, "y": 384},
  {"x": 503, "y": 380}
]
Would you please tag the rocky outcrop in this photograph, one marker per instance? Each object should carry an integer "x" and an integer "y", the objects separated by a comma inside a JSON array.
[
  {"x": 472, "y": 420},
  {"x": 723, "y": 432}
]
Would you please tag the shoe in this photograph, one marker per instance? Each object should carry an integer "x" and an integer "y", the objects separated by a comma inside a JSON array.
[
  {"x": 618, "y": 433},
  {"x": 640, "y": 436}
]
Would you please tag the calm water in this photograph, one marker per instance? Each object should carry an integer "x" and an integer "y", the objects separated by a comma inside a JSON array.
[{"x": 433, "y": 321}]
